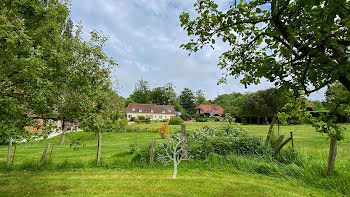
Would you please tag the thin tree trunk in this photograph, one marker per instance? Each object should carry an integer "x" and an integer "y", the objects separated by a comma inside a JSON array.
[
  {"x": 99, "y": 148},
  {"x": 270, "y": 133},
  {"x": 9, "y": 152},
  {"x": 152, "y": 150},
  {"x": 44, "y": 154},
  {"x": 14, "y": 153},
  {"x": 44, "y": 129},
  {"x": 63, "y": 132},
  {"x": 331, "y": 156},
  {"x": 51, "y": 152},
  {"x": 175, "y": 169}
]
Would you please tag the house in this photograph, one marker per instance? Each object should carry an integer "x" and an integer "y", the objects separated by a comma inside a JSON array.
[
  {"x": 209, "y": 110},
  {"x": 151, "y": 111}
]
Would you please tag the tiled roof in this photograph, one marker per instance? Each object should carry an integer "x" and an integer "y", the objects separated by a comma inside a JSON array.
[
  {"x": 150, "y": 108},
  {"x": 210, "y": 108}
]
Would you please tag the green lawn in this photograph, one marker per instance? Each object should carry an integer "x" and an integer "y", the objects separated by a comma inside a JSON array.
[{"x": 72, "y": 172}]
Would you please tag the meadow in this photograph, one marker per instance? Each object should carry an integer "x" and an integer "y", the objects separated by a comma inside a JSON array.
[{"x": 73, "y": 172}]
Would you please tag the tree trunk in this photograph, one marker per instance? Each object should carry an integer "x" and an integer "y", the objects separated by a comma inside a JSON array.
[
  {"x": 258, "y": 120},
  {"x": 331, "y": 156},
  {"x": 9, "y": 152},
  {"x": 14, "y": 153},
  {"x": 44, "y": 154},
  {"x": 270, "y": 133},
  {"x": 63, "y": 132},
  {"x": 98, "y": 157},
  {"x": 51, "y": 152},
  {"x": 175, "y": 169}
]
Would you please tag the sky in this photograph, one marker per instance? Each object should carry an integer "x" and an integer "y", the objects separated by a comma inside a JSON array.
[{"x": 145, "y": 38}]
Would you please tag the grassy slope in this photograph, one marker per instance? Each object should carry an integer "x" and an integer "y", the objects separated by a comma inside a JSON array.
[{"x": 156, "y": 180}]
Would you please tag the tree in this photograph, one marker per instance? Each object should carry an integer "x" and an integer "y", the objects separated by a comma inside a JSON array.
[
  {"x": 231, "y": 103},
  {"x": 164, "y": 95},
  {"x": 171, "y": 151},
  {"x": 187, "y": 100},
  {"x": 200, "y": 98},
  {"x": 142, "y": 93},
  {"x": 298, "y": 45}
]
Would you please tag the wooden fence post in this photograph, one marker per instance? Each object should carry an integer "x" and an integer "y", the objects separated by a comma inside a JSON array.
[
  {"x": 280, "y": 139},
  {"x": 152, "y": 150},
  {"x": 44, "y": 154},
  {"x": 184, "y": 140},
  {"x": 291, "y": 136}
]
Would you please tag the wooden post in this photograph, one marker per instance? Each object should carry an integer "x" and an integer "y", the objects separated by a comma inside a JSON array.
[
  {"x": 270, "y": 133},
  {"x": 152, "y": 150},
  {"x": 278, "y": 142},
  {"x": 9, "y": 152},
  {"x": 51, "y": 152},
  {"x": 14, "y": 153},
  {"x": 291, "y": 136},
  {"x": 283, "y": 144},
  {"x": 184, "y": 140},
  {"x": 44, "y": 154},
  {"x": 331, "y": 156},
  {"x": 63, "y": 132},
  {"x": 98, "y": 157}
]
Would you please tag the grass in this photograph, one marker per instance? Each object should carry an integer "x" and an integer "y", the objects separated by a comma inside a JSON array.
[{"x": 73, "y": 172}]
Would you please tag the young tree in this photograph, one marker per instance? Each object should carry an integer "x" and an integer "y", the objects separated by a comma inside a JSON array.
[
  {"x": 301, "y": 46},
  {"x": 171, "y": 151},
  {"x": 200, "y": 98}
]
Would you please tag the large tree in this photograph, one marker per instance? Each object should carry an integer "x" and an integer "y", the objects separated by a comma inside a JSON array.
[
  {"x": 164, "y": 95},
  {"x": 187, "y": 100},
  {"x": 142, "y": 92},
  {"x": 301, "y": 46}
]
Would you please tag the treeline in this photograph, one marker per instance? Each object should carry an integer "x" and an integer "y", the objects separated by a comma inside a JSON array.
[{"x": 257, "y": 107}]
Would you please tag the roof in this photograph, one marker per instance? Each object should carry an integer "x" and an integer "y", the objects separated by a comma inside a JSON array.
[
  {"x": 210, "y": 108},
  {"x": 150, "y": 108}
]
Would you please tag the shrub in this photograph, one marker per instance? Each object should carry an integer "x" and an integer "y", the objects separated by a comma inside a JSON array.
[
  {"x": 185, "y": 116},
  {"x": 163, "y": 120},
  {"x": 148, "y": 120},
  {"x": 175, "y": 121},
  {"x": 141, "y": 118},
  {"x": 132, "y": 119},
  {"x": 137, "y": 121},
  {"x": 207, "y": 119}
]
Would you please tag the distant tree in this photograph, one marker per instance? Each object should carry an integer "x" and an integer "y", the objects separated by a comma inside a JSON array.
[
  {"x": 231, "y": 103},
  {"x": 164, "y": 95},
  {"x": 187, "y": 100},
  {"x": 200, "y": 98},
  {"x": 142, "y": 93}
]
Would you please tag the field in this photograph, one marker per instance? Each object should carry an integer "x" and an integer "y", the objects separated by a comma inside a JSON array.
[{"x": 73, "y": 172}]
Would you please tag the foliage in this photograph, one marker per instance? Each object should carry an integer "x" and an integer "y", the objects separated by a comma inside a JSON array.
[
  {"x": 76, "y": 142},
  {"x": 142, "y": 93},
  {"x": 231, "y": 103},
  {"x": 142, "y": 118},
  {"x": 187, "y": 100},
  {"x": 164, "y": 95},
  {"x": 185, "y": 116},
  {"x": 164, "y": 130},
  {"x": 199, "y": 97},
  {"x": 225, "y": 140},
  {"x": 132, "y": 119},
  {"x": 175, "y": 121},
  {"x": 207, "y": 119}
]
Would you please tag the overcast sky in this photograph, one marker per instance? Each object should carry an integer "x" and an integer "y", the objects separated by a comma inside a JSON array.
[{"x": 145, "y": 38}]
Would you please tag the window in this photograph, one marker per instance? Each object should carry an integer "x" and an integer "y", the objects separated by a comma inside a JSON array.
[
  {"x": 133, "y": 109},
  {"x": 151, "y": 110},
  {"x": 165, "y": 117},
  {"x": 169, "y": 110},
  {"x": 151, "y": 117},
  {"x": 160, "y": 117},
  {"x": 163, "y": 111},
  {"x": 140, "y": 110},
  {"x": 130, "y": 116}
]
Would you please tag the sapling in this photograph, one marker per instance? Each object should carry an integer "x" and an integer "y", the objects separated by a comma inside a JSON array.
[{"x": 171, "y": 151}]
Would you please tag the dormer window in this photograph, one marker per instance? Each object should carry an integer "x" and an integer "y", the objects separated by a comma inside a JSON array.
[
  {"x": 163, "y": 111},
  {"x": 151, "y": 110},
  {"x": 133, "y": 109},
  {"x": 169, "y": 110},
  {"x": 140, "y": 110}
]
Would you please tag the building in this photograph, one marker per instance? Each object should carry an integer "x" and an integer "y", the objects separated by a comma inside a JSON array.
[
  {"x": 209, "y": 110},
  {"x": 151, "y": 111}
]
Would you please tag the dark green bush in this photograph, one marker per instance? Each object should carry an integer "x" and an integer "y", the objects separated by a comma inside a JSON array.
[
  {"x": 207, "y": 119},
  {"x": 142, "y": 118},
  {"x": 185, "y": 116},
  {"x": 132, "y": 119},
  {"x": 176, "y": 121}
]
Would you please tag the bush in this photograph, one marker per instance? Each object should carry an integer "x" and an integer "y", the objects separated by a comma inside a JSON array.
[
  {"x": 148, "y": 120},
  {"x": 175, "y": 121},
  {"x": 185, "y": 116},
  {"x": 207, "y": 119},
  {"x": 137, "y": 121},
  {"x": 142, "y": 118},
  {"x": 163, "y": 120},
  {"x": 132, "y": 119},
  {"x": 230, "y": 139}
]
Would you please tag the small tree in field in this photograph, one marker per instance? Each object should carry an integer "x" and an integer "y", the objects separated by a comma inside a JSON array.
[{"x": 171, "y": 151}]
